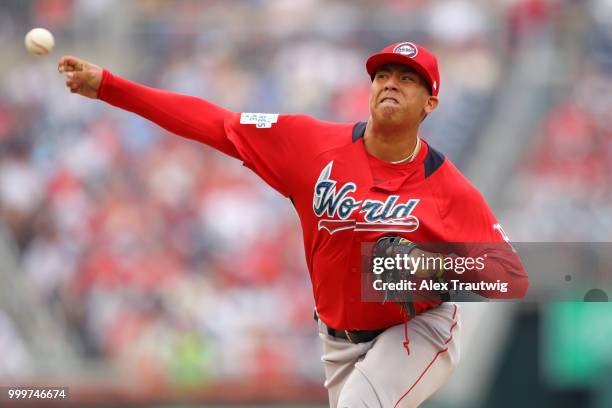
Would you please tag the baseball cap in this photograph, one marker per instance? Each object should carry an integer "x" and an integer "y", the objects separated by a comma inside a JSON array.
[{"x": 408, "y": 53}]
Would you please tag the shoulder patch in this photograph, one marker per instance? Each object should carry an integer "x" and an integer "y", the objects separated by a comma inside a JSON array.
[
  {"x": 359, "y": 130},
  {"x": 433, "y": 161},
  {"x": 261, "y": 120}
]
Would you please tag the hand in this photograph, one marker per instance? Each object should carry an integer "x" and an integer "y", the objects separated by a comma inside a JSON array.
[
  {"x": 434, "y": 261},
  {"x": 82, "y": 77},
  {"x": 428, "y": 264}
]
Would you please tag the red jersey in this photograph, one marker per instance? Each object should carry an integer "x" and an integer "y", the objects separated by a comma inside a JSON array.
[{"x": 343, "y": 195}]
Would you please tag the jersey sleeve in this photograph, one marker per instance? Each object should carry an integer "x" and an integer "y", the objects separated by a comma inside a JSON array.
[
  {"x": 276, "y": 147},
  {"x": 279, "y": 148},
  {"x": 183, "y": 115},
  {"x": 476, "y": 234}
]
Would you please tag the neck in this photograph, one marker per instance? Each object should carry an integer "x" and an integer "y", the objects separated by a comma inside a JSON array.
[{"x": 390, "y": 144}]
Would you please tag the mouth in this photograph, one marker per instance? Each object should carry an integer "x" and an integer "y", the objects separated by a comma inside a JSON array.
[{"x": 388, "y": 100}]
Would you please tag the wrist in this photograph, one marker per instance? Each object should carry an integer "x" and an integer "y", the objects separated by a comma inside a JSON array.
[{"x": 104, "y": 77}]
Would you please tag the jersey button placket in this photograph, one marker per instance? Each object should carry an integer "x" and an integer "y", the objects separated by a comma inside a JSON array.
[{"x": 354, "y": 271}]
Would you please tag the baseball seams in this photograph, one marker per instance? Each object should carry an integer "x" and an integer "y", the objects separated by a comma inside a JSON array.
[{"x": 40, "y": 49}]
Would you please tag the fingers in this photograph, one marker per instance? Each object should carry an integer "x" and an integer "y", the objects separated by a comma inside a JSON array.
[
  {"x": 71, "y": 82},
  {"x": 74, "y": 81},
  {"x": 68, "y": 63}
]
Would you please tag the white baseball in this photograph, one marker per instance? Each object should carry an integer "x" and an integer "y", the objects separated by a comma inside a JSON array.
[{"x": 39, "y": 41}]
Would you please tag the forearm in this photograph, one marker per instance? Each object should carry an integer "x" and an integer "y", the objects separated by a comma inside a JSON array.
[
  {"x": 184, "y": 115},
  {"x": 492, "y": 265}
]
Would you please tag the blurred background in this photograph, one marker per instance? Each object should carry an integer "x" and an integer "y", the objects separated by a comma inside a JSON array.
[{"x": 142, "y": 269}]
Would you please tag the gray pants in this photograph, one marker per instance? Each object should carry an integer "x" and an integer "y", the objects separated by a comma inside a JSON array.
[{"x": 381, "y": 373}]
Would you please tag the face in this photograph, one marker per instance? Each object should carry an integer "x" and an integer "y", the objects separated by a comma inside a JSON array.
[{"x": 400, "y": 96}]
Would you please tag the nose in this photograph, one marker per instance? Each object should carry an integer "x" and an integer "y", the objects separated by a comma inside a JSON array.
[{"x": 390, "y": 83}]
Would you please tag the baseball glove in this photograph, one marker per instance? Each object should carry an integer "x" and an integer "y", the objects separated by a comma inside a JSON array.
[{"x": 389, "y": 247}]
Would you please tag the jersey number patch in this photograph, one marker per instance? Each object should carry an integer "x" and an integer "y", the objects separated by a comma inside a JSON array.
[{"x": 261, "y": 120}]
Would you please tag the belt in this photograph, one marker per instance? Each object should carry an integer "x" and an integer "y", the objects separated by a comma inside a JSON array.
[{"x": 354, "y": 336}]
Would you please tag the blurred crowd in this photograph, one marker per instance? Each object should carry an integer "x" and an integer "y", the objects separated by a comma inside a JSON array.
[
  {"x": 174, "y": 261},
  {"x": 563, "y": 187}
]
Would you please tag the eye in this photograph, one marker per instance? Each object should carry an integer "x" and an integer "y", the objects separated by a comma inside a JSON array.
[
  {"x": 407, "y": 77},
  {"x": 381, "y": 75}
]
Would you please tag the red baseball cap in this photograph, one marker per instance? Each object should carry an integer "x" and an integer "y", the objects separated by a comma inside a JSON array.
[{"x": 411, "y": 54}]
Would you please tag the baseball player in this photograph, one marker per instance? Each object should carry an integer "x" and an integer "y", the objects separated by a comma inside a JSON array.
[{"x": 354, "y": 183}]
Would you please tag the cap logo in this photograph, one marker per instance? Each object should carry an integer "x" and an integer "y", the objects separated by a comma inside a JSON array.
[{"x": 406, "y": 48}]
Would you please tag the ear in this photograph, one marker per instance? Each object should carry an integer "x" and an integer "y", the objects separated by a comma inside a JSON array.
[{"x": 431, "y": 105}]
